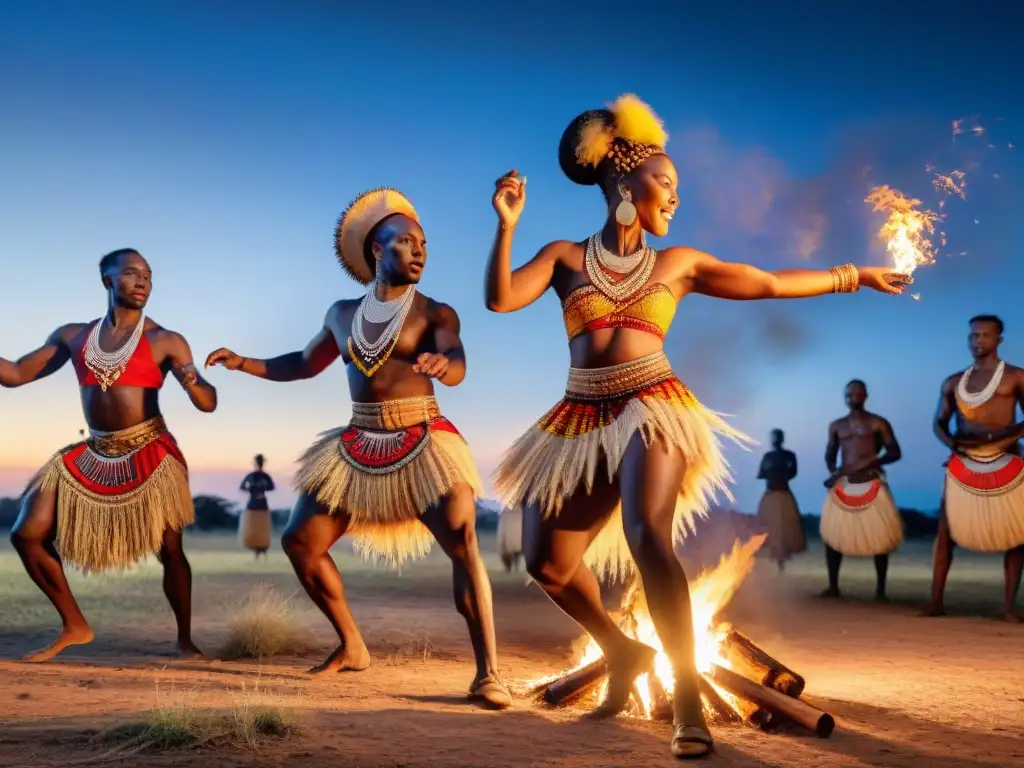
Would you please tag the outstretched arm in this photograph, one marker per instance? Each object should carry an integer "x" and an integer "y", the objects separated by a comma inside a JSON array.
[
  {"x": 704, "y": 274},
  {"x": 40, "y": 363},
  {"x": 448, "y": 364},
  {"x": 201, "y": 392},
  {"x": 320, "y": 352}
]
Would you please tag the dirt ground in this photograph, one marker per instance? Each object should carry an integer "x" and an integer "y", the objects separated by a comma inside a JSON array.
[{"x": 905, "y": 691}]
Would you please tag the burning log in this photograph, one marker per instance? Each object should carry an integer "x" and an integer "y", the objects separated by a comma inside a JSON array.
[
  {"x": 753, "y": 663},
  {"x": 720, "y": 711},
  {"x": 576, "y": 683},
  {"x": 775, "y": 702}
]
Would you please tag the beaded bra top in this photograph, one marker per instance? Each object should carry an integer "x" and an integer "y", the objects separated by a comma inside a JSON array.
[
  {"x": 651, "y": 309},
  {"x": 140, "y": 370}
]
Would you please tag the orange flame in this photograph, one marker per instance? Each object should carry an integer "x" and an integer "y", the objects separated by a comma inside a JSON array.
[
  {"x": 710, "y": 593},
  {"x": 907, "y": 229}
]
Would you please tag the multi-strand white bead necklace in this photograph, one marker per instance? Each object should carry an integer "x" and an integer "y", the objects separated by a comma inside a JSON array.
[
  {"x": 637, "y": 268},
  {"x": 372, "y": 310},
  {"x": 108, "y": 366},
  {"x": 974, "y": 399}
]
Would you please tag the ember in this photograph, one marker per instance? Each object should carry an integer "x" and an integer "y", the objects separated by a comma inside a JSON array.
[{"x": 739, "y": 681}]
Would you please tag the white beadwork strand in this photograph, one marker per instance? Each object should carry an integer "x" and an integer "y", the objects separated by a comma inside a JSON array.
[
  {"x": 621, "y": 264},
  {"x": 371, "y": 351},
  {"x": 978, "y": 398},
  {"x": 108, "y": 366},
  {"x": 377, "y": 311},
  {"x": 623, "y": 289}
]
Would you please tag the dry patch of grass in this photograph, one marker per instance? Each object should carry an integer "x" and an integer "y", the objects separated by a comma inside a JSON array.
[
  {"x": 264, "y": 624},
  {"x": 405, "y": 647},
  {"x": 181, "y": 725}
]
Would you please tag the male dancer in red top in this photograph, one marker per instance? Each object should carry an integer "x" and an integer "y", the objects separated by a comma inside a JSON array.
[{"x": 123, "y": 493}]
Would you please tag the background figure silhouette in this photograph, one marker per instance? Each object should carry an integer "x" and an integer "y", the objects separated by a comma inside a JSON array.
[
  {"x": 778, "y": 513},
  {"x": 255, "y": 526},
  {"x": 510, "y": 537}
]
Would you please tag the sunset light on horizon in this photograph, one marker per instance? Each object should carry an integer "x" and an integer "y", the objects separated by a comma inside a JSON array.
[{"x": 226, "y": 164}]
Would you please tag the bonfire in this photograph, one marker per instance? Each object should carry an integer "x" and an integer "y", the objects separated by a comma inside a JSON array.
[{"x": 739, "y": 681}]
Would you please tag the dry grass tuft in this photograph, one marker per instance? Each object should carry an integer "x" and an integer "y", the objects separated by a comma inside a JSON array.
[
  {"x": 404, "y": 647},
  {"x": 182, "y": 725},
  {"x": 265, "y": 624}
]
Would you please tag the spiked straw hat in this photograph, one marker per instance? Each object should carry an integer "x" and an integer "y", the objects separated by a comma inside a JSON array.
[{"x": 357, "y": 222}]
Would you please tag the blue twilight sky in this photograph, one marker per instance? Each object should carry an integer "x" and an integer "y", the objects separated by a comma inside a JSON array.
[{"x": 222, "y": 139}]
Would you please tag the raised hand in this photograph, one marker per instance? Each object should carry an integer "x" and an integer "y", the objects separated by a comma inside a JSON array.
[
  {"x": 509, "y": 197},
  {"x": 434, "y": 366},
  {"x": 226, "y": 358},
  {"x": 884, "y": 280}
]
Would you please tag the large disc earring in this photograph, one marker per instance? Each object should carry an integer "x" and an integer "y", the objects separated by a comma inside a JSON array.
[{"x": 625, "y": 212}]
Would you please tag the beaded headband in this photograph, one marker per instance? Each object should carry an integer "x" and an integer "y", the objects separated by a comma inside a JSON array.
[
  {"x": 357, "y": 222},
  {"x": 634, "y": 134}
]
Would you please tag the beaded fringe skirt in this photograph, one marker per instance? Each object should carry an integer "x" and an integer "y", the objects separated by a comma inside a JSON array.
[
  {"x": 601, "y": 411},
  {"x": 390, "y": 464},
  {"x": 117, "y": 493},
  {"x": 861, "y": 519},
  {"x": 984, "y": 502}
]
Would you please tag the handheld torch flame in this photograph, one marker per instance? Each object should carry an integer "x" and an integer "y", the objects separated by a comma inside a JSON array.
[{"x": 907, "y": 229}]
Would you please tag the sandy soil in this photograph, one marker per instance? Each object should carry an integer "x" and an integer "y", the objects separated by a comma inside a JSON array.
[{"x": 905, "y": 691}]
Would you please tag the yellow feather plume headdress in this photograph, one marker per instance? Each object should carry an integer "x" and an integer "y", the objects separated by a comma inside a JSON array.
[
  {"x": 355, "y": 224},
  {"x": 633, "y": 134}
]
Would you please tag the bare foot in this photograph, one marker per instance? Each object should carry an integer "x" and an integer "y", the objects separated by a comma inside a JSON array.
[
  {"x": 880, "y": 597},
  {"x": 830, "y": 593},
  {"x": 1011, "y": 618},
  {"x": 931, "y": 610},
  {"x": 186, "y": 649},
  {"x": 623, "y": 670},
  {"x": 69, "y": 636},
  {"x": 344, "y": 660}
]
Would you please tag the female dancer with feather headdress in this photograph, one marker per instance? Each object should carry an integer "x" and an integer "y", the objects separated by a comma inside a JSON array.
[{"x": 627, "y": 459}]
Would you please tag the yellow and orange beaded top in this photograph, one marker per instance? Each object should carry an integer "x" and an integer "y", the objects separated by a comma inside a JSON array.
[{"x": 652, "y": 309}]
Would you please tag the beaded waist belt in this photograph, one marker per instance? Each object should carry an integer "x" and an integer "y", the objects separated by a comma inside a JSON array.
[
  {"x": 618, "y": 380},
  {"x": 395, "y": 414},
  {"x": 125, "y": 441}
]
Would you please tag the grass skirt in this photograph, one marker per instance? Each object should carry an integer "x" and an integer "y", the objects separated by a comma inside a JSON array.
[
  {"x": 779, "y": 516},
  {"x": 390, "y": 464},
  {"x": 255, "y": 528},
  {"x": 601, "y": 411},
  {"x": 861, "y": 519},
  {"x": 984, "y": 502},
  {"x": 117, "y": 493},
  {"x": 510, "y": 535}
]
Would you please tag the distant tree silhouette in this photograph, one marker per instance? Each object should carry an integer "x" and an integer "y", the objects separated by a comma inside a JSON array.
[{"x": 214, "y": 513}]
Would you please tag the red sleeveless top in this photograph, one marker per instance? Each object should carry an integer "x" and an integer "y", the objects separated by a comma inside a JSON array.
[{"x": 142, "y": 370}]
